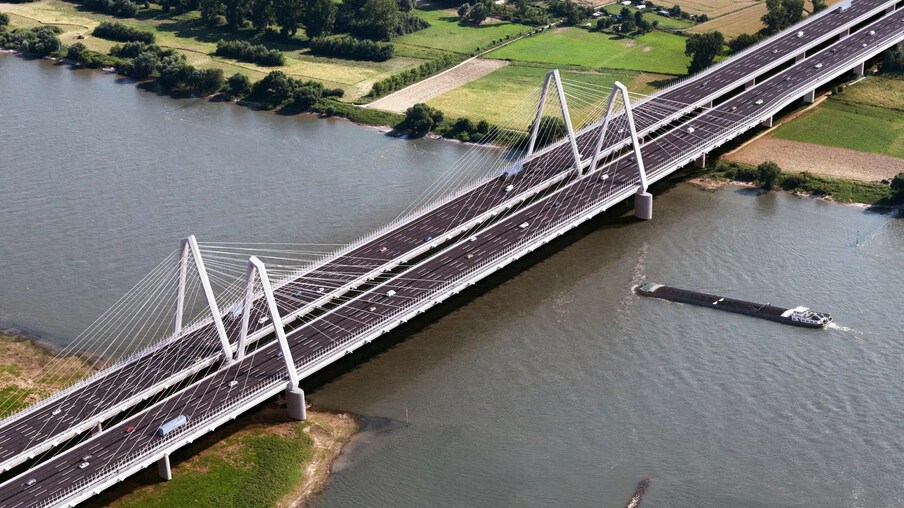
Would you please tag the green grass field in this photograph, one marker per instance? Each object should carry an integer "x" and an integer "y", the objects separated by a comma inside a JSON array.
[
  {"x": 657, "y": 52},
  {"x": 198, "y": 42},
  {"x": 495, "y": 95},
  {"x": 247, "y": 471},
  {"x": 446, "y": 34},
  {"x": 851, "y": 120},
  {"x": 665, "y": 22}
]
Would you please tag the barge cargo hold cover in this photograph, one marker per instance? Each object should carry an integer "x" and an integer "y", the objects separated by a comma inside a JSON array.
[{"x": 797, "y": 316}]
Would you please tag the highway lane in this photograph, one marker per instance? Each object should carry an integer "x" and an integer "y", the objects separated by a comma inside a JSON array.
[
  {"x": 145, "y": 372},
  {"x": 431, "y": 274}
]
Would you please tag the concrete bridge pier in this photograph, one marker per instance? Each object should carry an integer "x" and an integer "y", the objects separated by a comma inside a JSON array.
[
  {"x": 890, "y": 9},
  {"x": 798, "y": 58},
  {"x": 700, "y": 162},
  {"x": 750, "y": 84},
  {"x": 296, "y": 404},
  {"x": 810, "y": 97},
  {"x": 860, "y": 69},
  {"x": 97, "y": 429},
  {"x": 164, "y": 469},
  {"x": 643, "y": 205},
  {"x": 845, "y": 33},
  {"x": 767, "y": 122}
]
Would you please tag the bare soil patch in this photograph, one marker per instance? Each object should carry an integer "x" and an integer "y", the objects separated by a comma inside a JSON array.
[
  {"x": 818, "y": 159},
  {"x": 434, "y": 86},
  {"x": 330, "y": 431}
]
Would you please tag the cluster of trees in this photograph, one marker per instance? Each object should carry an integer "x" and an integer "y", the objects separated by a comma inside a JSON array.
[
  {"x": 81, "y": 55},
  {"x": 466, "y": 130},
  {"x": 4, "y": 20},
  {"x": 247, "y": 52},
  {"x": 405, "y": 78},
  {"x": 115, "y": 31},
  {"x": 118, "y": 8},
  {"x": 780, "y": 14},
  {"x": 676, "y": 12},
  {"x": 703, "y": 50},
  {"x": 626, "y": 22},
  {"x": 570, "y": 12},
  {"x": 276, "y": 89},
  {"x": 420, "y": 119},
  {"x": 346, "y": 46},
  {"x": 897, "y": 185},
  {"x": 767, "y": 174},
  {"x": 39, "y": 41},
  {"x": 377, "y": 20},
  {"x": 742, "y": 42},
  {"x": 473, "y": 14}
]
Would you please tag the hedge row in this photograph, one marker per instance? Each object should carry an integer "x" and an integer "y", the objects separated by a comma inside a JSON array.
[
  {"x": 115, "y": 31},
  {"x": 247, "y": 52},
  {"x": 345, "y": 46},
  {"x": 405, "y": 78}
]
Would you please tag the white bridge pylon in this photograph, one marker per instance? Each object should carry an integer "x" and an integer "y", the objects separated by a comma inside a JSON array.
[
  {"x": 618, "y": 90},
  {"x": 190, "y": 246},
  {"x": 256, "y": 268}
]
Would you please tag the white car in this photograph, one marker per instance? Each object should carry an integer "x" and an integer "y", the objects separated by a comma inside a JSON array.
[
  {"x": 759, "y": 102},
  {"x": 800, "y": 34},
  {"x": 83, "y": 465},
  {"x": 233, "y": 383},
  {"x": 523, "y": 225},
  {"x": 56, "y": 411},
  {"x": 508, "y": 188},
  {"x": 818, "y": 66},
  {"x": 391, "y": 292},
  {"x": 263, "y": 320},
  {"x": 690, "y": 130}
]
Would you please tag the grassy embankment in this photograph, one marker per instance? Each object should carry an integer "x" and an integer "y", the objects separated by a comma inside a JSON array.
[
  {"x": 590, "y": 58},
  {"x": 868, "y": 117},
  {"x": 447, "y": 35},
  {"x": 263, "y": 459}
]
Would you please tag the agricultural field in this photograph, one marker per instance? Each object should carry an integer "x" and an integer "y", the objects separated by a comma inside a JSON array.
[
  {"x": 649, "y": 15},
  {"x": 656, "y": 52},
  {"x": 495, "y": 96},
  {"x": 867, "y": 117},
  {"x": 745, "y": 20},
  {"x": 712, "y": 8},
  {"x": 198, "y": 43},
  {"x": 445, "y": 34}
]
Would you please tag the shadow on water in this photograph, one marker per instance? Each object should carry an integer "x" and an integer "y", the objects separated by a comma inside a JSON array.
[{"x": 618, "y": 217}]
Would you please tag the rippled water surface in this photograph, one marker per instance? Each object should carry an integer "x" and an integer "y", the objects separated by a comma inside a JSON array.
[{"x": 559, "y": 387}]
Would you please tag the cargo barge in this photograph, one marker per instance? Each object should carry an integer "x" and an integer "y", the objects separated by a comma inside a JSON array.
[{"x": 797, "y": 316}]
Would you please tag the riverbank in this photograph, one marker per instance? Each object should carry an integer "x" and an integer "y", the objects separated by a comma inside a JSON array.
[
  {"x": 840, "y": 190},
  {"x": 261, "y": 459}
]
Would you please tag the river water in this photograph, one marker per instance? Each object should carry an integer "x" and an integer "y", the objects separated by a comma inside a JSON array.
[{"x": 559, "y": 387}]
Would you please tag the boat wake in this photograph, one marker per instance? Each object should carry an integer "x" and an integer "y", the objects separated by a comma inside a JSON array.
[
  {"x": 641, "y": 489},
  {"x": 845, "y": 329}
]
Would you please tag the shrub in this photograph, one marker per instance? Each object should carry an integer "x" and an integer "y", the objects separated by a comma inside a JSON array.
[
  {"x": 4, "y": 20},
  {"x": 346, "y": 46},
  {"x": 40, "y": 41},
  {"x": 237, "y": 86},
  {"x": 897, "y": 184},
  {"x": 115, "y": 31},
  {"x": 205, "y": 81},
  {"x": 247, "y": 52},
  {"x": 420, "y": 119},
  {"x": 767, "y": 174}
]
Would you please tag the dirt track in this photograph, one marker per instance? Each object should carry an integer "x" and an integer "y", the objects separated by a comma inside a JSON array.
[
  {"x": 434, "y": 86},
  {"x": 818, "y": 159}
]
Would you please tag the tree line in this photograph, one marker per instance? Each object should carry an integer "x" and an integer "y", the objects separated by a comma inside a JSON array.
[
  {"x": 346, "y": 46},
  {"x": 247, "y": 52},
  {"x": 115, "y": 31}
]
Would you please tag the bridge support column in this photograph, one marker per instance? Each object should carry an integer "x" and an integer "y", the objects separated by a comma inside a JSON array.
[
  {"x": 890, "y": 9},
  {"x": 643, "y": 205},
  {"x": 799, "y": 57},
  {"x": 97, "y": 429},
  {"x": 860, "y": 69},
  {"x": 767, "y": 122},
  {"x": 810, "y": 97},
  {"x": 845, "y": 33},
  {"x": 295, "y": 404},
  {"x": 164, "y": 469},
  {"x": 750, "y": 84},
  {"x": 700, "y": 162}
]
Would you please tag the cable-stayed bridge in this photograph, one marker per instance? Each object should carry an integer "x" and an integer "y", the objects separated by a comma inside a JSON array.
[{"x": 217, "y": 342}]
